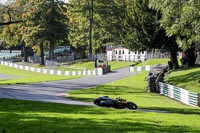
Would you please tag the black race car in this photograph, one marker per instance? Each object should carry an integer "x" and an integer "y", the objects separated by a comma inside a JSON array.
[{"x": 119, "y": 103}]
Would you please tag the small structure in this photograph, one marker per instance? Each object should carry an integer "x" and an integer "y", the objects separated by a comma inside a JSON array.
[
  {"x": 9, "y": 54},
  {"x": 155, "y": 76},
  {"x": 101, "y": 65},
  {"x": 121, "y": 53}
]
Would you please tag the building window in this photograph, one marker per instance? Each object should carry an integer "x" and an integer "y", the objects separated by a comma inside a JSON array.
[
  {"x": 115, "y": 51},
  {"x": 119, "y": 51},
  {"x": 122, "y": 51}
]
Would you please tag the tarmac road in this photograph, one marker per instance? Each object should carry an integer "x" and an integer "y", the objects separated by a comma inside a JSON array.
[{"x": 54, "y": 91}]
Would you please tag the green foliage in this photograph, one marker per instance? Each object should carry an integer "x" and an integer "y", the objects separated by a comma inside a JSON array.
[
  {"x": 46, "y": 22},
  {"x": 42, "y": 23},
  {"x": 141, "y": 27},
  {"x": 180, "y": 18},
  {"x": 106, "y": 26},
  {"x": 79, "y": 25}
]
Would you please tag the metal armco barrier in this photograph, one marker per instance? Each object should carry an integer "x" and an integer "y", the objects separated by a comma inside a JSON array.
[{"x": 179, "y": 94}]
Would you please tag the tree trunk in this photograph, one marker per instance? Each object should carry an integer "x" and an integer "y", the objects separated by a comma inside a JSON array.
[
  {"x": 191, "y": 56},
  {"x": 25, "y": 53},
  {"x": 173, "y": 59},
  {"x": 51, "y": 50},
  {"x": 42, "y": 54}
]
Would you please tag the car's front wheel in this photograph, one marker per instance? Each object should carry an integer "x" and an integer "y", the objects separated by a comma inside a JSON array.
[{"x": 97, "y": 102}]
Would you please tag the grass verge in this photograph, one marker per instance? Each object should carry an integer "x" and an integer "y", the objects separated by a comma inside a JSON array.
[
  {"x": 132, "y": 89},
  {"x": 188, "y": 79},
  {"x": 22, "y": 76},
  {"x": 88, "y": 65},
  {"x": 18, "y": 116},
  {"x": 154, "y": 62}
]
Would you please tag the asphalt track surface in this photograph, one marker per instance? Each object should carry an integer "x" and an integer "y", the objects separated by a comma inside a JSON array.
[{"x": 54, "y": 91}]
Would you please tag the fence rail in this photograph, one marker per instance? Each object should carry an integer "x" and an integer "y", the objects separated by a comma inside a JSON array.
[
  {"x": 179, "y": 94},
  {"x": 140, "y": 68},
  {"x": 98, "y": 71}
]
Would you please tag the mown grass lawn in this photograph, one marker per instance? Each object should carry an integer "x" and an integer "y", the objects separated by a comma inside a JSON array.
[
  {"x": 154, "y": 62},
  {"x": 117, "y": 64},
  {"x": 188, "y": 79},
  {"x": 133, "y": 89},
  {"x": 22, "y": 76},
  {"x": 88, "y": 65},
  {"x": 34, "y": 117},
  {"x": 18, "y": 116}
]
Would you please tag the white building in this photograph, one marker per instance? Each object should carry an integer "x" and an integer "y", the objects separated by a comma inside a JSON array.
[{"x": 123, "y": 54}]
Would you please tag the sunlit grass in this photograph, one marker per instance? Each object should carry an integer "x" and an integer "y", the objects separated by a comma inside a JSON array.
[
  {"x": 22, "y": 76},
  {"x": 154, "y": 62},
  {"x": 87, "y": 65},
  {"x": 34, "y": 117},
  {"x": 117, "y": 64},
  {"x": 186, "y": 78},
  {"x": 133, "y": 89}
]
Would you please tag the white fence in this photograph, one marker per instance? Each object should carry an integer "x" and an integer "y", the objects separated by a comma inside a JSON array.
[
  {"x": 179, "y": 94},
  {"x": 140, "y": 68},
  {"x": 134, "y": 58},
  {"x": 98, "y": 71}
]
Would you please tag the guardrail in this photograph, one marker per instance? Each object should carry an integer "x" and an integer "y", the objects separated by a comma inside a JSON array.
[
  {"x": 97, "y": 71},
  {"x": 140, "y": 68},
  {"x": 179, "y": 94}
]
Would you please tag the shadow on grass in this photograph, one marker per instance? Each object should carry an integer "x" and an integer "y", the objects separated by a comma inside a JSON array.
[
  {"x": 109, "y": 90},
  {"x": 176, "y": 110},
  {"x": 31, "y": 117},
  {"x": 193, "y": 76}
]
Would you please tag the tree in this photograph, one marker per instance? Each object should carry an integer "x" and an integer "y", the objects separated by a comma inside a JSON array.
[
  {"x": 142, "y": 30},
  {"x": 13, "y": 33},
  {"x": 180, "y": 18},
  {"x": 46, "y": 21},
  {"x": 8, "y": 11},
  {"x": 106, "y": 18},
  {"x": 79, "y": 26},
  {"x": 111, "y": 20}
]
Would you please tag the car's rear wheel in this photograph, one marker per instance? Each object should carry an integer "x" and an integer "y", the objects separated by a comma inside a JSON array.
[{"x": 131, "y": 105}]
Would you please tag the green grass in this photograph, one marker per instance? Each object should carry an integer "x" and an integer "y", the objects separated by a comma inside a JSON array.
[
  {"x": 188, "y": 79},
  {"x": 116, "y": 64},
  {"x": 18, "y": 116},
  {"x": 34, "y": 117},
  {"x": 132, "y": 89},
  {"x": 22, "y": 76},
  {"x": 89, "y": 65},
  {"x": 154, "y": 62}
]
